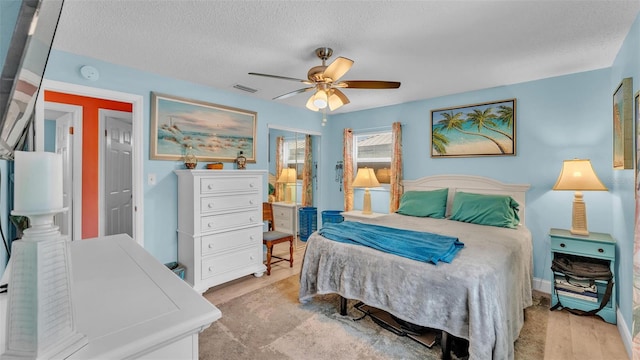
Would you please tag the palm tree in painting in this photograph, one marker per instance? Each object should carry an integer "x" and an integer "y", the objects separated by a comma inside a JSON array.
[
  {"x": 439, "y": 141},
  {"x": 505, "y": 115},
  {"x": 486, "y": 119},
  {"x": 453, "y": 121}
]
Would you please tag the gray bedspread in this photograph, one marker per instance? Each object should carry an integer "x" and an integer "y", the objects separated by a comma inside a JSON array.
[{"x": 480, "y": 296}]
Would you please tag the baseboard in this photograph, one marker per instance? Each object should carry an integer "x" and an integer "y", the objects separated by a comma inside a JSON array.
[{"x": 542, "y": 285}]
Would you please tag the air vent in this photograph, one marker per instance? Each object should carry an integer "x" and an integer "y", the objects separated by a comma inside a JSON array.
[{"x": 245, "y": 88}]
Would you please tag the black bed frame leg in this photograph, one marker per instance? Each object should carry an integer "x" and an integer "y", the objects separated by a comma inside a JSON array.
[
  {"x": 445, "y": 344},
  {"x": 343, "y": 306}
]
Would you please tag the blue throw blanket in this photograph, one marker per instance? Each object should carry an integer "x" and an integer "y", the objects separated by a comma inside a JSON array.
[{"x": 415, "y": 245}]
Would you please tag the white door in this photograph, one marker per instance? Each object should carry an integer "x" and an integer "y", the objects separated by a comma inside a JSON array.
[
  {"x": 117, "y": 174},
  {"x": 64, "y": 146}
]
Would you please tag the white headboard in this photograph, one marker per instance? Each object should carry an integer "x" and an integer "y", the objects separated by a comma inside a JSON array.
[{"x": 472, "y": 184}]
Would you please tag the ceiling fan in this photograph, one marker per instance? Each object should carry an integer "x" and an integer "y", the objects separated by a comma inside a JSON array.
[{"x": 324, "y": 80}]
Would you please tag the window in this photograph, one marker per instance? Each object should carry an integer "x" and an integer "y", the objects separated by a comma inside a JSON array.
[
  {"x": 294, "y": 155},
  {"x": 373, "y": 150}
]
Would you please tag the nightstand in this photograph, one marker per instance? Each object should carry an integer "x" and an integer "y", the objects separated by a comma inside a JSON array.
[
  {"x": 357, "y": 215},
  {"x": 285, "y": 216},
  {"x": 595, "y": 247}
]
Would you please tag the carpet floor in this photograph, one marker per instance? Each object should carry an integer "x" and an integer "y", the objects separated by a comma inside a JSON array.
[{"x": 270, "y": 323}]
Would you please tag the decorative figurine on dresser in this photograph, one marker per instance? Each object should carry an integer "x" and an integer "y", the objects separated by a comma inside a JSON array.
[
  {"x": 583, "y": 277},
  {"x": 219, "y": 225},
  {"x": 241, "y": 161}
]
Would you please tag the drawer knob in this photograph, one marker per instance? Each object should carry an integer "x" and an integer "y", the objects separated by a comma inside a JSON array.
[
  {"x": 251, "y": 219},
  {"x": 251, "y": 185},
  {"x": 210, "y": 246},
  {"x": 210, "y": 268},
  {"x": 600, "y": 250},
  {"x": 210, "y": 225},
  {"x": 210, "y": 205},
  {"x": 562, "y": 245},
  {"x": 250, "y": 202},
  {"x": 251, "y": 237},
  {"x": 209, "y": 186},
  {"x": 251, "y": 257}
]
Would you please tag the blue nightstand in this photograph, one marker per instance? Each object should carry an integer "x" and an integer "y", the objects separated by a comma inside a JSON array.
[{"x": 593, "y": 246}]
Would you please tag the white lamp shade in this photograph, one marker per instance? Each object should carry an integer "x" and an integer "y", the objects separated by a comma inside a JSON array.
[
  {"x": 38, "y": 182},
  {"x": 365, "y": 178},
  {"x": 578, "y": 175}
]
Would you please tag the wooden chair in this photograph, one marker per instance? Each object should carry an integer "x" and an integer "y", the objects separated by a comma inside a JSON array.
[{"x": 272, "y": 237}]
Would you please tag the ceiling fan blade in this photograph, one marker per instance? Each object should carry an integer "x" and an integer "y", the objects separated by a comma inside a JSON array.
[
  {"x": 282, "y": 77},
  {"x": 295, "y": 92},
  {"x": 368, "y": 84},
  {"x": 337, "y": 99},
  {"x": 337, "y": 68}
]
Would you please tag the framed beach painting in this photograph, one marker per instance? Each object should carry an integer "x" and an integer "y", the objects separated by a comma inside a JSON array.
[
  {"x": 214, "y": 132},
  {"x": 623, "y": 126},
  {"x": 486, "y": 129}
]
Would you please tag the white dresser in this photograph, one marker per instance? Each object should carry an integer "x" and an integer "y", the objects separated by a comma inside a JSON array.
[
  {"x": 219, "y": 225},
  {"x": 285, "y": 216}
]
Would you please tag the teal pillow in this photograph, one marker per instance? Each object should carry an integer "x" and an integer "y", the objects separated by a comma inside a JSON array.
[
  {"x": 493, "y": 210},
  {"x": 424, "y": 203}
]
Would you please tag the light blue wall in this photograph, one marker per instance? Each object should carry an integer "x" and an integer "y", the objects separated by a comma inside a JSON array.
[
  {"x": 160, "y": 209},
  {"x": 622, "y": 203}
]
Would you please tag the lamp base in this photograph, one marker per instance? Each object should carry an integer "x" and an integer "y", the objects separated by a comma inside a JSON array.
[
  {"x": 40, "y": 314},
  {"x": 579, "y": 216},
  {"x": 366, "y": 206}
]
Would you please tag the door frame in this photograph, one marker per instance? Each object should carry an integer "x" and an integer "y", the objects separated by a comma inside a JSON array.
[
  {"x": 76, "y": 157},
  {"x": 137, "y": 114}
]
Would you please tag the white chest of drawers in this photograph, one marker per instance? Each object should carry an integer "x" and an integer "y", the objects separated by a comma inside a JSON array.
[{"x": 219, "y": 225}]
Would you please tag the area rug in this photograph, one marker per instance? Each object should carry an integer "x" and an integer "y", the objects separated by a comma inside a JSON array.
[{"x": 270, "y": 323}]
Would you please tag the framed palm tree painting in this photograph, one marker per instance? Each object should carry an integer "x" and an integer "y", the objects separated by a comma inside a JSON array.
[{"x": 487, "y": 129}]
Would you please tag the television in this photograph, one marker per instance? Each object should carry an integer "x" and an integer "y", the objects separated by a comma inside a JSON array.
[{"x": 23, "y": 70}]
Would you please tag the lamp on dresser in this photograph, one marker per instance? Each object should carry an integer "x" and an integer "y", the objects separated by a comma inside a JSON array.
[
  {"x": 578, "y": 175},
  {"x": 366, "y": 178},
  {"x": 288, "y": 176},
  {"x": 40, "y": 313}
]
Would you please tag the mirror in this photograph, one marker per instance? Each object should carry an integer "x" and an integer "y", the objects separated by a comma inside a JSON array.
[
  {"x": 23, "y": 70},
  {"x": 294, "y": 147}
]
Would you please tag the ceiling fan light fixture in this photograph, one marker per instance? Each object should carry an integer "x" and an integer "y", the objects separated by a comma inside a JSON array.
[
  {"x": 320, "y": 99},
  {"x": 310, "y": 105}
]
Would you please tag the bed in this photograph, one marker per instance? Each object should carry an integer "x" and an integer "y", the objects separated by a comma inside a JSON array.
[{"x": 479, "y": 296}]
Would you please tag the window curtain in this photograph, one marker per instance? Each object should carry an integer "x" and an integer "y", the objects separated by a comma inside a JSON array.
[
  {"x": 395, "y": 183},
  {"x": 279, "y": 161},
  {"x": 347, "y": 154},
  {"x": 307, "y": 173}
]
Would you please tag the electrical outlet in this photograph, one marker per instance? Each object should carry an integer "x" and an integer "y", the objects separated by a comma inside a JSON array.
[{"x": 151, "y": 179}]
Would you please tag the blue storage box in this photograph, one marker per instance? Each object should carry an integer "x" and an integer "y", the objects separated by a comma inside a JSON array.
[
  {"x": 308, "y": 217},
  {"x": 332, "y": 216},
  {"x": 176, "y": 268}
]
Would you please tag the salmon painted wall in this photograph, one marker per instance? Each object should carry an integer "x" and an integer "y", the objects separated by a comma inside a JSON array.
[{"x": 90, "y": 152}]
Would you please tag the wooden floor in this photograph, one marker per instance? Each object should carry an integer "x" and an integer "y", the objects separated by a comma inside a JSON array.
[{"x": 568, "y": 336}]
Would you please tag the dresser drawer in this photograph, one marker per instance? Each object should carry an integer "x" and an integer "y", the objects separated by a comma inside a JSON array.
[
  {"x": 230, "y": 220},
  {"x": 230, "y": 184},
  {"x": 282, "y": 213},
  {"x": 229, "y": 240},
  {"x": 223, "y": 203},
  {"x": 215, "y": 265},
  {"x": 583, "y": 247}
]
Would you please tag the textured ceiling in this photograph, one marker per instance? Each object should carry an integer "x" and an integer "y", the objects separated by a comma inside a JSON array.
[{"x": 434, "y": 48}]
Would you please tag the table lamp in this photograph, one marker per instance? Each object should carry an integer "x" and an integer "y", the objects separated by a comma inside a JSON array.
[
  {"x": 578, "y": 175},
  {"x": 288, "y": 176},
  {"x": 40, "y": 313},
  {"x": 366, "y": 178}
]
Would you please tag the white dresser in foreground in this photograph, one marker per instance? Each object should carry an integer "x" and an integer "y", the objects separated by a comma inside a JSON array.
[
  {"x": 219, "y": 225},
  {"x": 129, "y": 305}
]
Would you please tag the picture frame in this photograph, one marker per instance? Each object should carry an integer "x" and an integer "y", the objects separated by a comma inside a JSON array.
[
  {"x": 214, "y": 132},
  {"x": 484, "y": 129},
  {"x": 636, "y": 102},
  {"x": 623, "y": 125}
]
